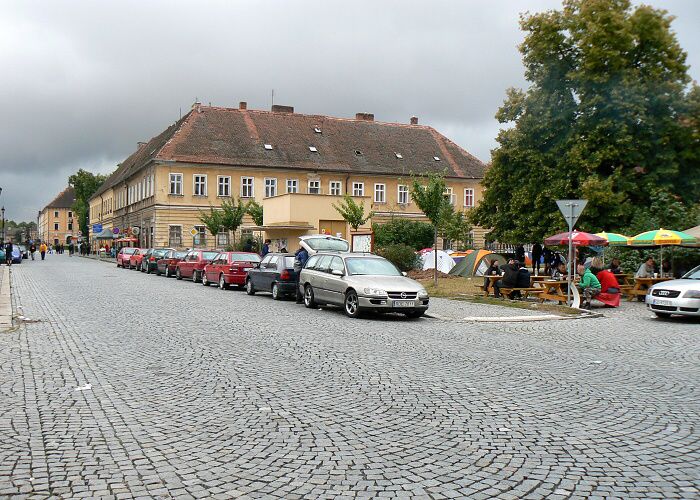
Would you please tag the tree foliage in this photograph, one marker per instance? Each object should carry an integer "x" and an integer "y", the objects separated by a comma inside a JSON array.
[
  {"x": 415, "y": 234},
  {"x": 608, "y": 117},
  {"x": 213, "y": 220},
  {"x": 352, "y": 212},
  {"x": 232, "y": 215},
  {"x": 255, "y": 210},
  {"x": 85, "y": 185},
  {"x": 402, "y": 256}
]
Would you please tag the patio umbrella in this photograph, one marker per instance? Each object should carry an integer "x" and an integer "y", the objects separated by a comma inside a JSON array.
[
  {"x": 661, "y": 237},
  {"x": 614, "y": 239},
  {"x": 578, "y": 239}
]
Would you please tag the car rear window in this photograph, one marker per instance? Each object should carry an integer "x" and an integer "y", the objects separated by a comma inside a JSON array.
[
  {"x": 245, "y": 257},
  {"x": 179, "y": 255},
  {"x": 159, "y": 253},
  {"x": 289, "y": 262},
  {"x": 331, "y": 244},
  {"x": 128, "y": 250},
  {"x": 209, "y": 255}
]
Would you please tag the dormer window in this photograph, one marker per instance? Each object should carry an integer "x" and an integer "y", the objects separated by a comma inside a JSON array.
[
  {"x": 313, "y": 149},
  {"x": 317, "y": 130},
  {"x": 399, "y": 156},
  {"x": 358, "y": 152},
  {"x": 268, "y": 146},
  {"x": 436, "y": 158}
]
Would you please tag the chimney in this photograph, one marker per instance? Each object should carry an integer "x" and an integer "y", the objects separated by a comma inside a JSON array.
[
  {"x": 141, "y": 144},
  {"x": 278, "y": 108},
  {"x": 414, "y": 120},
  {"x": 242, "y": 105},
  {"x": 197, "y": 106},
  {"x": 367, "y": 117}
]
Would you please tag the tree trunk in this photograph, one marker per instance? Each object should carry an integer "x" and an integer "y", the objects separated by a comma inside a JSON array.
[{"x": 435, "y": 271}]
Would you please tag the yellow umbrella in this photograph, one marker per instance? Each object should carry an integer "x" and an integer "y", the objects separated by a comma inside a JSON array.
[
  {"x": 661, "y": 237},
  {"x": 614, "y": 239}
]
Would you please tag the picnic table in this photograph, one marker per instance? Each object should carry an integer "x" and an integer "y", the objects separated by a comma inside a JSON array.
[
  {"x": 640, "y": 287},
  {"x": 553, "y": 290}
]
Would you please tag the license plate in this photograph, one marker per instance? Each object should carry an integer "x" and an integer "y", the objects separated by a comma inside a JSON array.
[
  {"x": 404, "y": 303},
  {"x": 247, "y": 268},
  {"x": 661, "y": 302}
]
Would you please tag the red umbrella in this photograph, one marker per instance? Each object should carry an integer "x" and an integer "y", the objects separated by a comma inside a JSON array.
[{"x": 578, "y": 239}]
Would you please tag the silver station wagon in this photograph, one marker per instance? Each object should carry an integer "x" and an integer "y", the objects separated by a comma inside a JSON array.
[
  {"x": 360, "y": 282},
  {"x": 680, "y": 297}
]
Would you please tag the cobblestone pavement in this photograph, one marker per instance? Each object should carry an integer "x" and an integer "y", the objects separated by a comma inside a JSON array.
[{"x": 132, "y": 385}]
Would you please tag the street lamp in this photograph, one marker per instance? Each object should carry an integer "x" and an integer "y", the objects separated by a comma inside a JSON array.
[{"x": 3, "y": 223}]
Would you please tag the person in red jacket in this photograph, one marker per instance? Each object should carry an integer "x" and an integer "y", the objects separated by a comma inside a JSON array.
[{"x": 608, "y": 282}]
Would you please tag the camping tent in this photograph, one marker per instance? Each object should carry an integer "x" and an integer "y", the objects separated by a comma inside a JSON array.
[
  {"x": 444, "y": 261},
  {"x": 476, "y": 263},
  {"x": 693, "y": 231}
]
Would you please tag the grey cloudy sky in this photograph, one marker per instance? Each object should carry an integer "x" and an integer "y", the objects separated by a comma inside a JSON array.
[{"x": 83, "y": 80}]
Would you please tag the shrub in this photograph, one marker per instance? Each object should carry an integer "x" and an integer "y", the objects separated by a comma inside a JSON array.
[
  {"x": 417, "y": 235},
  {"x": 402, "y": 256}
]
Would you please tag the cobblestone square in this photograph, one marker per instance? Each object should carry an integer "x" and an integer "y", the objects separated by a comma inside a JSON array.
[{"x": 123, "y": 385}]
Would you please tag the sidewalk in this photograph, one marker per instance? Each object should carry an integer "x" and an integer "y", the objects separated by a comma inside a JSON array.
[
  {"x": 5, "y": 299},
  {"x": 95, "y": 257}
]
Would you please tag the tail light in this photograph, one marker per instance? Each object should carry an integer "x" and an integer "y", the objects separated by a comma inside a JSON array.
[
  {"x": 284, "y": 275},
  {"x": 152, "y": 259}
]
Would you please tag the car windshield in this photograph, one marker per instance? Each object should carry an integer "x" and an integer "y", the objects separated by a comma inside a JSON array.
[
  {"x": 327, "y": 244},
  {"x": 179, "y": 255},
  {"x": 128, "y": 250},
  {"x": 693, "y": 274},
  {"x": 371, "y": 265},
  {"x": 289, "y": 262},
  {"x": 159, "y": 253},
  {"x": 209, "y": 255},
  {"x": 245, "y": 257}
]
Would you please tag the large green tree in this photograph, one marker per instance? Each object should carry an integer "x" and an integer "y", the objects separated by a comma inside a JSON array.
[
  {"x": 85, "y": 184},
  {"x": 608, "y": 117}
]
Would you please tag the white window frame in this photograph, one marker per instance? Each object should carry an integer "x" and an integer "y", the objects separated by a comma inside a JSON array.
[
  {"x": 358, "y": 189},
  {"x": 335, "y": 188},
  {"x": 170, "y": 240},
  {"x": 470, "y": 192},
  {"x": 194, "y": 184},
  {"x": 201, "y": 234},
  {"x": 227, "y": 185},
  {"x": 402, "y": 191},
  {"x": 270, "y": 187},
  {"x": 251, "y": 186},
  {"x": 379, "y": 188},
  {"x": 449, "y": 193},
  {"x": 295, "y": 184},
  {"x": 55, "y": 213},
  {"x": 317, "y": 182},
  {"x": 177, "y": 182}
]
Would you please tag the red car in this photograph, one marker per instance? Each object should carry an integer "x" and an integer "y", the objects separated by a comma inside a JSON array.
[
  {"x": 124, "y": 255},
  {"x": 229, "y": 268},
  {"x": 192, "y": 266},
  {"x": 166, "y": 265},
  {"x": 136, "y": 258}
]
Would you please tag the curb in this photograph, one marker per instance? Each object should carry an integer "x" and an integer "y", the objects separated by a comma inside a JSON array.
[
  {"x": 515, "y": 319},
  {"x": 5, "y": 300}
]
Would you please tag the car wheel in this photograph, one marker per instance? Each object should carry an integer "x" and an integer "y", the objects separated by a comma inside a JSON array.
[
  {"x": 178, "y": 274},
  {"x": 249, "y": 289},
  {"x": 414, "y": 314},
  {"x": 195, "y": 277},
  {"x": 662, "y": 315},
  {"x": 309, "y": 300},
  {"x": 148, "y": 269},
  {"x": 205, "y": 281},
  {"x": 276, "y": 295},
  {"x": 158, "y": 273},
  {"x": 167, "y": 271},
  {"x": 118, "y": 265},
  {"x": 222, "y": 283},
  {"x": 352, "y": 304}
]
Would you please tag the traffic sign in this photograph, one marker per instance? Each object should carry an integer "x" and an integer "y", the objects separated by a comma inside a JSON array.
[
  {"x": 115, "y": 230},
  {"x": 97, "y": 228},
  {"x": 571, "y": 210},
  {"x": 194, "y": 232},
  {"x": 135, "y": 230}
]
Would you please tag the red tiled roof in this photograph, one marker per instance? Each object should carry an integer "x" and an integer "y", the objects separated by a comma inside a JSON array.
[{"x": 65, "y": 199}]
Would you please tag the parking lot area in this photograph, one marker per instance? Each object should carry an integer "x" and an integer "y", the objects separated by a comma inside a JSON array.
[{"x": 121, "y": 384}]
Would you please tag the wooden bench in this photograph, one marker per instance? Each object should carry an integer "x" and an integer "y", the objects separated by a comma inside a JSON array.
[
  {"x": 481, "y": 290},
  {"x": 524, "y": 291}
]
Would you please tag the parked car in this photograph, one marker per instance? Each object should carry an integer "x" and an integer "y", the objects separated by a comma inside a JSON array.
[
  {"x": 149, "y": 263},
  {"x": 229, "y": 268},
  {"x": 23, "y": 250},
  {"x": 136, "y": 258},
  {"x": 359, "y": 283},
  {"x": 314, "y": 243},
  {"x": 192, "y": 266},
  {"x": 166, "y": 264},
  {"x": 124, "y": 255},
  {"x": 275, "y": 274},
  {"x": 681, "y": 297},
  {"x": 2, "y": 255}
]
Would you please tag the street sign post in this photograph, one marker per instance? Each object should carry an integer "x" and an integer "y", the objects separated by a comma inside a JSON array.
[{"x": 571, "y": 210}]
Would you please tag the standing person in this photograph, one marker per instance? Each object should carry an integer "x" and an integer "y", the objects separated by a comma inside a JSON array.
[
  {"x": 536, "y": 256},
  {"x": 589, "y": 285},
  {"x": 547, "y": 257},
  {"x": 32, "y": 250},
  {"x": 8, "y": 253},
  {"x": 520, "y": 254},
  {"x": 300, "y": 258},
  {"x": 42, "y": 250},
  {"x": 266, "y": 248}
]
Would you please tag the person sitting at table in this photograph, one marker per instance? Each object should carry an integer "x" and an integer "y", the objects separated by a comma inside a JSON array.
[
  {"x": 510, "y": 277},
  {"x": 646, "y": 270},
  {"x": 666, "y": 271},
  {"x": 596, "y": 265},
  {"x": 615, "y": 266},
  {"x": 608, "y": 282},
  {"x": 492, "y": 270},
  {"x": 589, "y": 285},
  {"x": 559, "y": 274}
]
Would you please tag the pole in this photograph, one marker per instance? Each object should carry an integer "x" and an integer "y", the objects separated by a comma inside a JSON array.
[
  {"x": 570, "y": 274},
  {"x": 435, "y": 276}
]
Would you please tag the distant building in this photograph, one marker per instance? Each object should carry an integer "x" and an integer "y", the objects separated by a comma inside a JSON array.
[
  {"x": 295, "y": 165},
  {"x": 56, "y": 221}
]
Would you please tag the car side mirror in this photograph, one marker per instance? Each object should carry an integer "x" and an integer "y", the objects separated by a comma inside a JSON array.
[
  {"x": 404, "y": 273},
  {"x": 337, "y": 272}
]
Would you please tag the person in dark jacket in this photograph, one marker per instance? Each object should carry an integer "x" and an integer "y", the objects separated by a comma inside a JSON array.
[
  {"x": 300, "y": 258},
  {"x": 536, "y": 256},
  {"x": 8, "y": 253},
  {"x": 491, "y": 271},
  {"x": 265, "y": 248},
  {"x": 520, "y": 254},
  {"x": 510, "y": 277},
  {"x": 547, "y": 257}
]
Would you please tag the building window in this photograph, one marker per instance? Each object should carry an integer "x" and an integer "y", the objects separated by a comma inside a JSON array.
[
  {"x": 174, "y": 236},
  {"x": 380, "y": 193},
  {"x": 224, "y": 183},
  {"x": 314, "y": 187},
  {"x": 270, "y": 187},
  {"x": 200, "y": 185},
  {"x": 222, "y": 238},
  {"x": 55, "y": 226},
  {"x": 70, "y": 226},
  {"x": 336, "y": 188},
  {"x": 449, "y": 195},
  {"x": 247, "y": 187},
  {"x": 175, "y": 184},
  {"x": 358, "y": 188},
  {"x": 70, "y": 215},
  {"x": 403, "y": 195},
  {"x": 469, "y": 197},
  {"x": 201, "y": 237},
  {"x": 292, "y": 186},
  {"x": 55, "y": 213}
]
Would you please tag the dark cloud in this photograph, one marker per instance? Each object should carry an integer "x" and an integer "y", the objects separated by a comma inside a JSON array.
[{"x": 83, "y": 81}]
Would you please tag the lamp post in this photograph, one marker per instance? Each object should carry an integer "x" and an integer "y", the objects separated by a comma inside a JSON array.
[{"x": 3, "y": 224}]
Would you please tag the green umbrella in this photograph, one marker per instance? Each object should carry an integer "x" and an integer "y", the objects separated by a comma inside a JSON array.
[
  {"x": 614, "y": 239},
  {"x": 661, "y": 237}
]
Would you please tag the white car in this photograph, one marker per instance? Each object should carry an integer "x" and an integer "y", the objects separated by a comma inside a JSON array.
[
  {"x": 680, "y": 297},
  {"x": 315, "y": 243}
]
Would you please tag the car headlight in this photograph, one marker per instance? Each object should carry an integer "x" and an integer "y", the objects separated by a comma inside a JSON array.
[
  {"x": 648, "y": 291},
  {"x": 422, "y": 292},
  {"x": 375, "y": 291},
  {"x": 692, "y": 294}
]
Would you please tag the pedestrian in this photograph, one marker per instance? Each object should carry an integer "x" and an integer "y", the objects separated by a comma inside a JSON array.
[
  {"x": 248, "y": 247},
  {"x": 589, "y": 285},
  {"x": 8, "y": 253},
  {"x": 536, "y": 256},
  {"x": 32, "y": 250},
  {"x": 300, "y": 258},
  {"x": 520, "y": 253},
  {"x": 265, "y": 248},
  {"x": 70, "y": 249},
  {"x": 547, "y": 256},
  {"x": 42, "y": 250},
  {"x": 492, "y": 270}
]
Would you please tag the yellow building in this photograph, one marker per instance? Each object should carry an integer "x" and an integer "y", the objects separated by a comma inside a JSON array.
[
  {"x": 295, "y": 165},
  {"x": 56, "y": 221}
]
